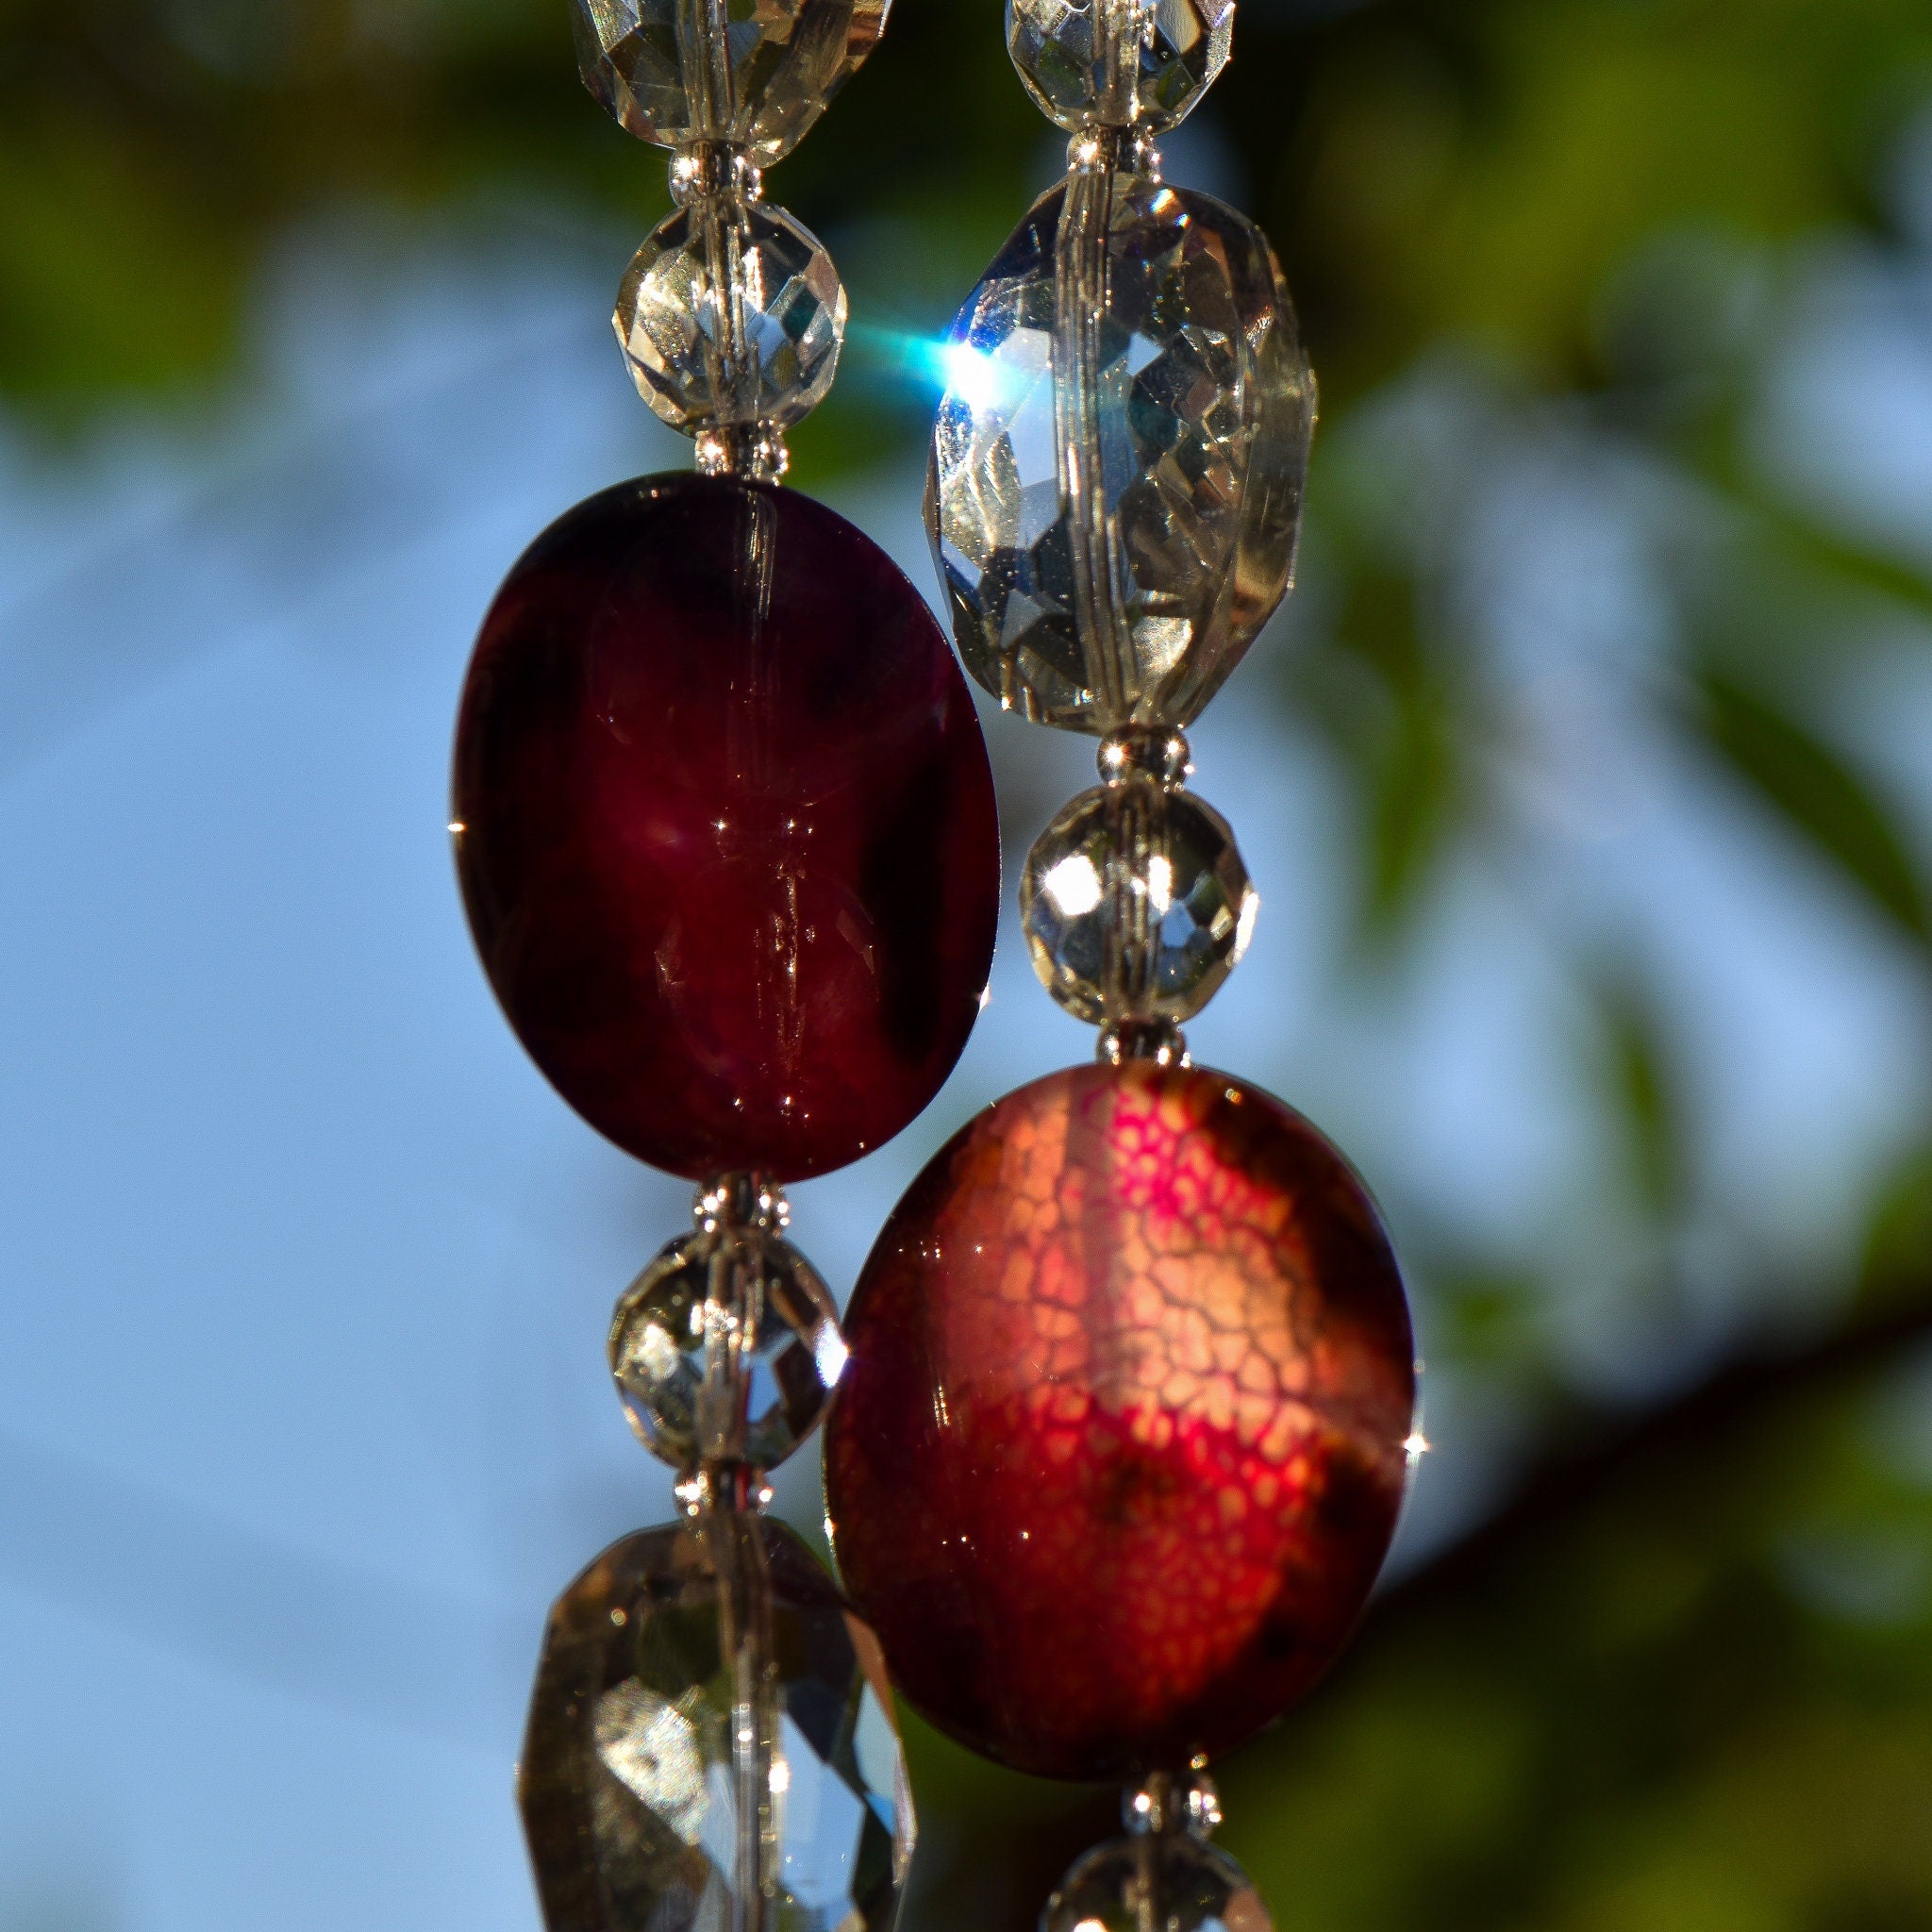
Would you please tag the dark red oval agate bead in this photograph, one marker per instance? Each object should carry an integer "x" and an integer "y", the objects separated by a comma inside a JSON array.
[
  {"x": 726, "y": 831},
  {"x": 1121, "y": 1443}
]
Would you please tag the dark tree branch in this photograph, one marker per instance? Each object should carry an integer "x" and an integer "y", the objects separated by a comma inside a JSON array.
[{"x": 1601, "y": 1448}]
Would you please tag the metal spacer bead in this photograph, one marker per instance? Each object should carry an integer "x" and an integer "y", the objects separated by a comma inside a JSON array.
[
  {"x": 740, "y": 1200},
  {"x": 725, "y": 1489},
  {"x": 1146, "y": 752},
  {"x": 710, "y": 168},
  {"x": 751, "y": 450},
  {"x": 1113, "y": 151},
  {"x": 1173, "y": 1800},
  {"x": 1159, "y": 1040}
]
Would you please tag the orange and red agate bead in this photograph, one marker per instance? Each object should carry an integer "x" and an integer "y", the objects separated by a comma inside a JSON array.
[{"x": 1123, "y": 1438}]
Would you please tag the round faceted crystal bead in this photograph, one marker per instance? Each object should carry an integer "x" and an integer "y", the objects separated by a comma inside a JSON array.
[
  {"x": 692, "y": 1677},
  {"x": 727, "y": 1349},
  {"x": 1115, "y": 487},
  {"x": 1160, "y": 1882},
  {"x": 1119, "y": 63},
  {"x": 677, "y": 71},
  {"x": 726, "y": 828},
  {"x": 1120, "y": 1446},
  {"x": 1136, "y": 904},
  {"x": 731, "y": 313}
]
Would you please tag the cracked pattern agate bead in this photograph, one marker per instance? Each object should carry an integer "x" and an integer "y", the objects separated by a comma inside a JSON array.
[
  {"x": 726, "y": 828},
  {"x": 1121, "y": 1443}
]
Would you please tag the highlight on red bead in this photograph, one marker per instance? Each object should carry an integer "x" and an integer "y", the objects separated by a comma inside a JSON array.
[
  {"x": 726, "y": 828},
  {"x": 1120, "y": 1446}
]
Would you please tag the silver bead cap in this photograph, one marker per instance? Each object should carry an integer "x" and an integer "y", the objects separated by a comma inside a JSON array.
[{"x": 1169, "y": 1801}]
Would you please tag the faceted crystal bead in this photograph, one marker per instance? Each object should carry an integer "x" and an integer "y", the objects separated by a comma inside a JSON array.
[
  {"x": 731, "y": 313},
  {"x": 676, "y": 72},
  {"x": 1119, "y": 63},
  {"x": 1121, "y": 1443},
  {"x": 726, "y": 828},
  {"x": 1136, "y": 904},
  {"x": 1116, "y": 477},
  {"x": 727, "y": 1349},
  {"x": 637, "y": 1768},
  {"x": 1160, "y": 1882}
]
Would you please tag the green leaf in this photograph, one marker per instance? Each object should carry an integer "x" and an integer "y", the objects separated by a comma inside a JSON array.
[
  {"x": 1898, "y": 1242},
  {"x": 1390, "y": 710},
  {"x": 1841, "y": 561},
  {"x": 1643, "y": 1089},
  {"x": 1412, "y": 802},
  {"x": 1819, "y": 794}
]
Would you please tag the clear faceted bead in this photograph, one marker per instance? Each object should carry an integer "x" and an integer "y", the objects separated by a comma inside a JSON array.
[
  {"x": 1136, "y": 904},
  {"x": 1169, "y": 1881},
  {"x": 727, "y": 1349},
  {"x": 1119, "y": 63},
  {"x": 712, "y": 1743},
  {"x": 1115, "y": 487},
  {"x": 731, "y": 313},
  {"x": 756, "y": 75}
]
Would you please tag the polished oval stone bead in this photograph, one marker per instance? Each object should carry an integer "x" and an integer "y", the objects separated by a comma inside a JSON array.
[
  {"x": 726, "y": 828},
  {"x": 691, "y": 1677},
  {"x": 1120, "y": 1442},
  {"x": 1145, "y": 332}
]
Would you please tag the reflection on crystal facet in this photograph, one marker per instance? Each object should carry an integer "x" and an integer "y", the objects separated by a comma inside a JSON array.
[
  {"x": 1148, "y": 337},
  {"x": 1162, "y": 1882},
  {"x": 1136, "y": 904},
  {"x": 731, "y": 313},
  {"x": 649, "y": 1746},
  {"x": 636, "y": 1772},
  {"x": 727, "y": 1349},
  {"x": 1171, "y": 51},
  {"x": 784, "y": 59}
]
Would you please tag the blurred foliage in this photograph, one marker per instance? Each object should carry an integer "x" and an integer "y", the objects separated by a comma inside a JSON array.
[{"x": 1685, "y": 1679}]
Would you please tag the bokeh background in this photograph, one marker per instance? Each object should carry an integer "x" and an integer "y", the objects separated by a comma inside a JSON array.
[{"x": 1586, "y": 781}]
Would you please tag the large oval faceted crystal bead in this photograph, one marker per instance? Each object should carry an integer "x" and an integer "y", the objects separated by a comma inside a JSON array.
[
  {"x": 1114, "y": 493},
  {"x": 697, "y": 1676},
  {"x": 731, "y": 313},
  {"x": 724, "y": 826},
  {"x": 777, "y": 66},
  {"x": 1166, "y": 54},
  {"x": 1121, "y": 1439}
]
